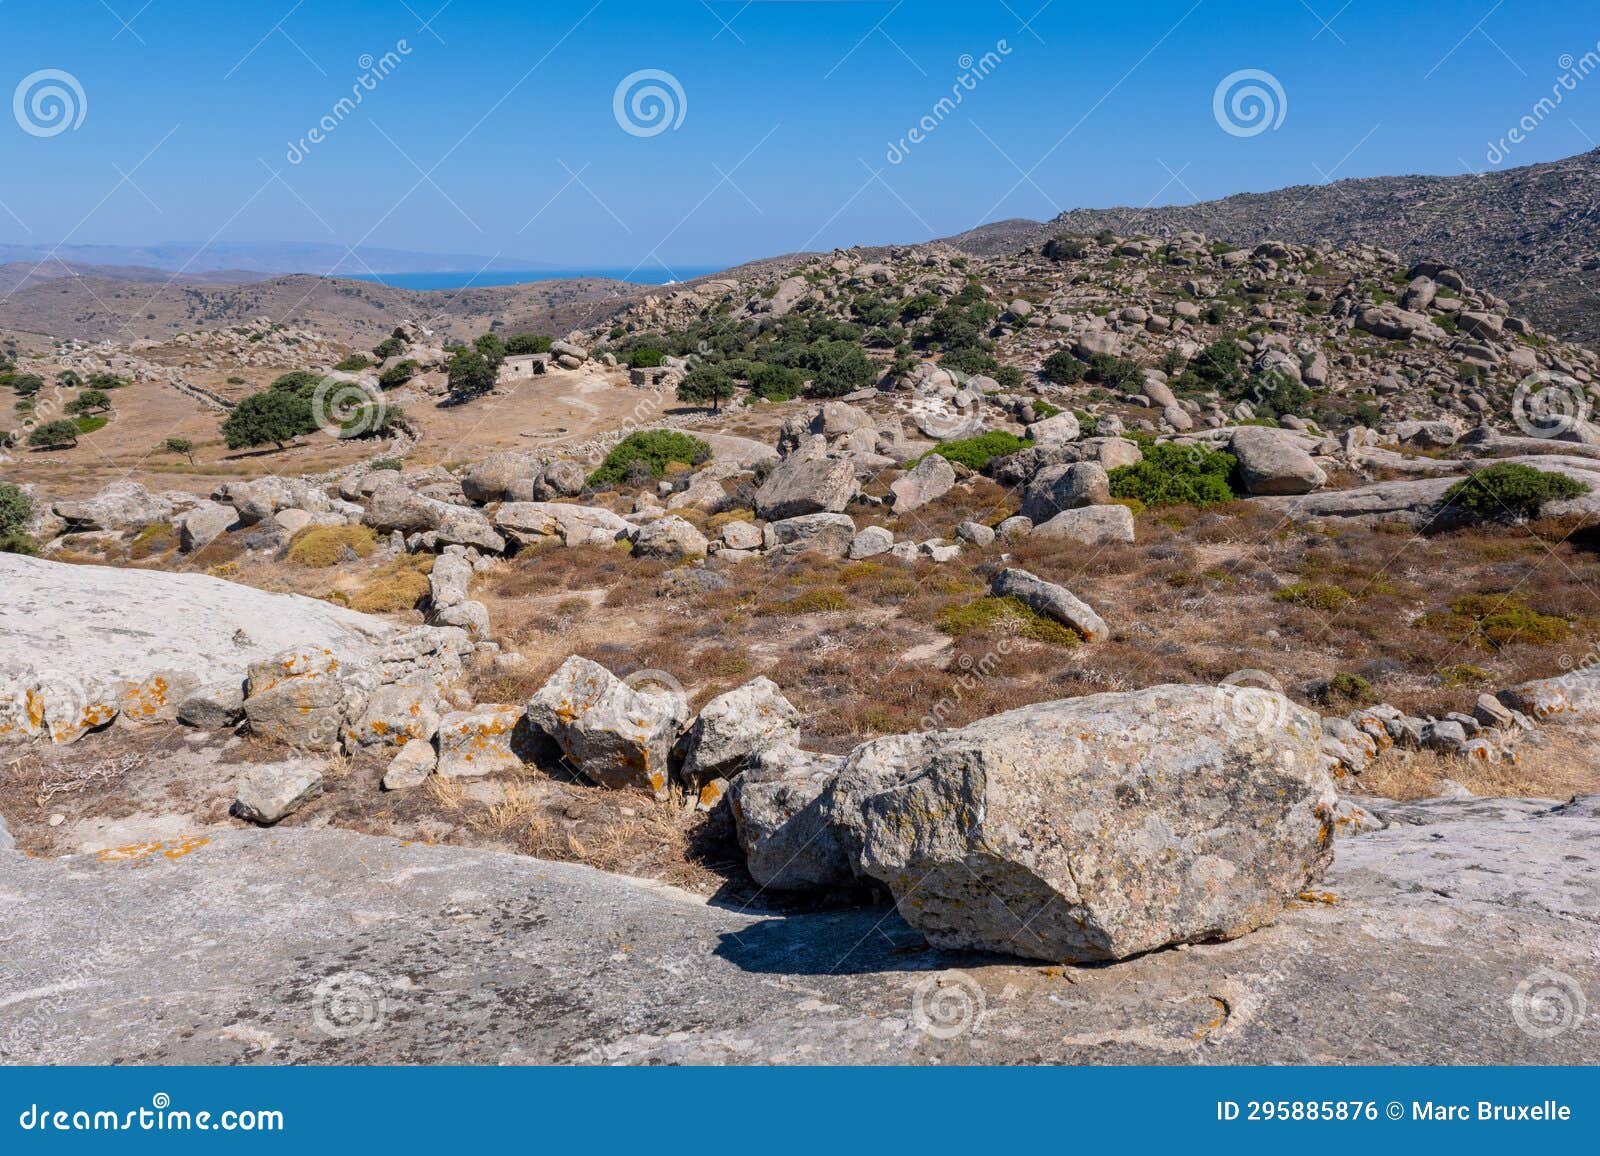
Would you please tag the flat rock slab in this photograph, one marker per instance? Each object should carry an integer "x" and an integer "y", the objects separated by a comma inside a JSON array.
[
  {"x": 114, "y": 622},
  {"x": 324, "y": 946}
]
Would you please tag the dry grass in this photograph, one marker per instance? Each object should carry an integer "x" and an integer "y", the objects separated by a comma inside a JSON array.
[
  {"x": 323, "y": 546},
  {"x": 1556, "y": 763}
]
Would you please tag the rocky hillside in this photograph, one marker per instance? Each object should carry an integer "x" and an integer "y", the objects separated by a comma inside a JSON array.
[
  {"x": 1529, "y": 234},
  {"x": 97, "y": 307}
]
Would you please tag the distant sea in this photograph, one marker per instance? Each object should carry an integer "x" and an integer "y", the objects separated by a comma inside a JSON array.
[{"x": 462, "y": 280}]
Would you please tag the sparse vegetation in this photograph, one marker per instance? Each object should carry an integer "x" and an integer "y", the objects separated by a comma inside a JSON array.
[
  {"x": 1172, "y": 475},
  {"x": 654, "y": 450},
  {"x": 1510, "y": 491}
]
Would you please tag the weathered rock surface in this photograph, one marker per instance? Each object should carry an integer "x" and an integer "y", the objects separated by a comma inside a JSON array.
[
  {"x": 1065, "y": 487},
  {"x": 1091, "y": 525},
  {"x": 488, "y": 738},
  {"x": 1571, "y": 697},
  {"x": 929, "y": 480},
  {"x": 829, "y": 534},
  {"x": 1100, "y": 827},
  {"x": 271, "y": 792},
  {"x": 468, "y": 956},
  {"x": 616, "y": 736},
  {"x": 106, "y": 622},
  {"x": 528, "y": 522},
  {"x": 783, "y": 826},
  {"x": 800, "y": 486},
  {"x": 1051, "y": 600},
  {"x": 734, "y": 726},
  {"x": 1273, "y": 462}
]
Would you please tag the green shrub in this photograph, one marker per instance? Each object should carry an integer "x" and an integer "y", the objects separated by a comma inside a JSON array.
[
  {"x": 388, "y": 347},
  {"x": 1088, "y": 423},
  {"x": 89, "y": 401},
  {"x": 16, "y": 509},
  {"x": 273, "y": 416},
  {"x": 840, "y": 367},
  {"x": 655, "y": 448},
  {"x": 1509, "y": 491},
  {"x": 977, "y": 452},
  {"x": 1119, "y": 373},
  {"x": 969, "y": 359},
  {"x": 1043, "y": 410},
  {"x": 54, "y": 433},
  {"x": 353, "y": 364},
  {"x": 646, "y": 358},
  {"x": 706, "y": 383},
  {"x": 1063, "y": 368},
  {"x": 398, "y": 374},
  {"x": 472, "y": 373},
  {"x": 1315, "y": 597},
  {"x": 776, "y": 382},
  {"x": 522, "y": 343},
  {"x": 1496, "y": 621},
  {"x": 1351, "y": 687},
  {"x": 1174, "y": 475}
]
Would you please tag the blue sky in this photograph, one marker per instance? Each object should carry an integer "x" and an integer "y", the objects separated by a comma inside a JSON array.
[{"x": 494, "y": 132}]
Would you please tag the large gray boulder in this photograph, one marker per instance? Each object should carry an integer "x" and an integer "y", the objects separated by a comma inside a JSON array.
[
  {"x": 531, "y": 522},
  {"x": 119, "y": 506},
  {"x": 303, "y": 696},
  {"x": 1097, "y": 828},
  {"x": 270, "y": 792},
  {"x": 1065, "y": 487},
  {"x": 1573, "y": 697},
  {"x": 671, "y": 538},
  {"x": 781, "y": 819},
  {"x": 928, "y": 481},
  {"x": 1051, "y": 600},
  {"x": 734, "y": 726},
  {"x": 99, "y": 622},
  {"x": 800, "y": 485},
  {"x": 200, "y": 526},
  {"x": 499, "y": 476},
  {"x": 419, "y": 933},
  {"x": 1273, "y": 462},
  {"x": 1091, "y": 525},
  {"x": 616, "y": 736},
  {"x": 828, "y": 534}
]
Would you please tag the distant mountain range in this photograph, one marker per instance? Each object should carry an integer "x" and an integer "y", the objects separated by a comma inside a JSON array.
[
  {"x": 1530, "y": 234},
  {"x": 193, "y": 258}
]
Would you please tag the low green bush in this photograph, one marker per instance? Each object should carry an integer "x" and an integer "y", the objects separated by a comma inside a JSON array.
[
  {"x": 1174, "y": 475},
  {"x": 1510, "y": 492},
  {"x": 655, "y": 448},
  {"x": 977, "y": 452}
]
